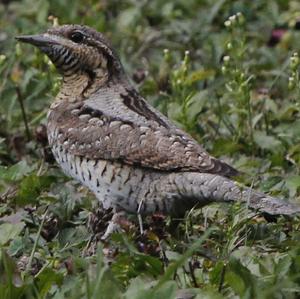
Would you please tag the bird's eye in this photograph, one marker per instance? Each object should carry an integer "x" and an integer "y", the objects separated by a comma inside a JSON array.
[{"x": 77, "y": 37}]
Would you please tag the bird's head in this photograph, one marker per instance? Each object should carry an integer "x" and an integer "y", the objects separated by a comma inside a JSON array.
[{"x": 76, "y": 49}]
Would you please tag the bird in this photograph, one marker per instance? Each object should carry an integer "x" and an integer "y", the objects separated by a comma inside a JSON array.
[{"x": 104, "y": 134}]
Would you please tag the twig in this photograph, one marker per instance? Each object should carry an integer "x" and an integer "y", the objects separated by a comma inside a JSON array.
[
  {"x": 164, "y": 256},
  {"x": 222, "y": 279},
  {"x": 8, "y": 194},
  {"x": 36, "y": 241},
  {"x": 193, "y": 275},
  {"x": 20, "y": 100}
]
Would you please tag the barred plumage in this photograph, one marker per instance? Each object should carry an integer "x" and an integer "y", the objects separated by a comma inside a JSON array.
[{"x": 104, "y": 134}]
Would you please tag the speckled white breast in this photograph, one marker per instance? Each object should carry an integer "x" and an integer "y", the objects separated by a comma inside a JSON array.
[{"x": 114, "y": 184}]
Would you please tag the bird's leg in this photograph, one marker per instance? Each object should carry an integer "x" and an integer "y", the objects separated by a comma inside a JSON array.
[
  {"x": 114, "y": 224},
  {"x": 140, "y": 216}
]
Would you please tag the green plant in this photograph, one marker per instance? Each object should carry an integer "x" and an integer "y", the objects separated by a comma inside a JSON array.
[{"x": 225, "y": 84}]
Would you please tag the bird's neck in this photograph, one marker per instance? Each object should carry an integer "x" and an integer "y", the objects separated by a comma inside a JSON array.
[{"x": 80, "y": 86}]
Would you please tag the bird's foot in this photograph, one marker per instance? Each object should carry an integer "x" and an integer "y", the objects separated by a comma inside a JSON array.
[
  {"x": 114, "y": 225},
  {"x": 140, "y": 219},
  {"x": 140, "y": 223}
]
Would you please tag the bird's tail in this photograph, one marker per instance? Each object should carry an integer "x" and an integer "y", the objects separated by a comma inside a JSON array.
[{"x": 181, "y": 190}]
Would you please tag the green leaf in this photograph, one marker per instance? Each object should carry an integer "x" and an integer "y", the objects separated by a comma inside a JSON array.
[
  {"x": 167, "y": 291},
  {"x": 16, "y": 246},
  {"x": 267, "y": 142},
  {"x": 174, "y": 266},
  {"x": 46, "y": 279},
  {"x": 140, "y": 289},
  {"x": 200, "y": 75},
  {"x": 196, "y": 104},
  {"x": 270, "y": 182},
  {"x": 128, "y": 17},
  {"x": 10, "y": 279},
  {"x": 9, "y": 231},
  {"x": 225, "y": 147},
  {"x": 293, "y": 184},
  {"x": 216, "y": 273},
  {"x": 16, "y": 172},
  {"x": 240, "y": 279},
  {"x": 31, "y": 187},
  {"x": 283, "y": 266}
]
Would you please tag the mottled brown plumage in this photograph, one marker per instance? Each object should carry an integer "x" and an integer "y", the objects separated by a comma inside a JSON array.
[
  {"x": 138, "y": 140},
  {"x": 104, "y": 134}
]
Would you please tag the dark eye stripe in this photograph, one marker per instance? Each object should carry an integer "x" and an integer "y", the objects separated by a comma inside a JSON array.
[
  {"x": 62, "y": 57},
  {"x": 68, "y": 67},
  {"x": 65, "y": 55},
  {"x": 58, "y": 55},
  {"x": 76, "y": 66},
  {"x": 69, "y": 59},
  {"x": 55, "y": 55},
  {"x": 60, "y": 62},
  {"x": 62, "y": 51}
]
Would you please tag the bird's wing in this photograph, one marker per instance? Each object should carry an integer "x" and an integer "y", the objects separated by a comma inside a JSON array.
[{"x": 99, "y": 129}]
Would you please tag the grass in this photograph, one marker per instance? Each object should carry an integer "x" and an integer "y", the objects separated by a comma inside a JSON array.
[{"x": 225, "y": 71}]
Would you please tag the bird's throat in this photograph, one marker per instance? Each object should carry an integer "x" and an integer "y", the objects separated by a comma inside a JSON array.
[{"x": 80, "y": 86}]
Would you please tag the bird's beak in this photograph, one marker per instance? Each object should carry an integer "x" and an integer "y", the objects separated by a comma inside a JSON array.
[{"x": 39, "y": 40}]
